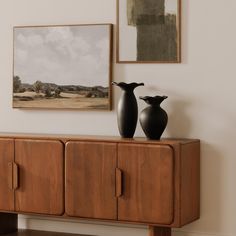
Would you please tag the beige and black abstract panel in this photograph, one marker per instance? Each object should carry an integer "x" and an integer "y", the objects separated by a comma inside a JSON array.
[{"x": 148, "y": 30}]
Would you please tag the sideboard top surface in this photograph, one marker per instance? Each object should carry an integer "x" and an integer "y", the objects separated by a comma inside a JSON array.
[{"x": 66, "y": 137}]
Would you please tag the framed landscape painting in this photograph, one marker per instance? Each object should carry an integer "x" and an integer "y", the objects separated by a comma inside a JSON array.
[
  {"x": 148, "y": 31},
  {"x": 63, "y": 67}
]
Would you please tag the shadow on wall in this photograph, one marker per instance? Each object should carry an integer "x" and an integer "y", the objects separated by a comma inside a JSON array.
[
  {"x": 212, "y": 191},
  {"x": 179, "y": 123}
]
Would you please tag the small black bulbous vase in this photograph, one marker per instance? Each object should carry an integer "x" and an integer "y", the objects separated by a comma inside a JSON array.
[
  {"x": 153, "y": 119},
  {"x": 127, "y": 113}
]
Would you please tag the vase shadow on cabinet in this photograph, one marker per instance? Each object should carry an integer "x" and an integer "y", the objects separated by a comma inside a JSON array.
[{"x": 180, "y": 123}]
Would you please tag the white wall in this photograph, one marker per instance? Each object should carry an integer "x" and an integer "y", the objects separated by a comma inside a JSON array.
[{"x": 201, "y": 101}]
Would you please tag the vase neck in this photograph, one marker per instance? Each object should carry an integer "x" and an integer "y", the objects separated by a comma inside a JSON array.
[
  {"x": 128, "y": 91},
  {"x": 155, "y": 105}
]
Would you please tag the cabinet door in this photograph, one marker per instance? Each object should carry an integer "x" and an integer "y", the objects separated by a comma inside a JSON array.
[
  {"x": 40, "y": 170},
  {"x": 6, "y": 181},
  {"x": 148, "y": 188},
  {"x": 90, "y": 180}
]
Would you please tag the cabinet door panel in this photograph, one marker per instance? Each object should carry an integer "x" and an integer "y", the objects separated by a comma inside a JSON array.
[
  {"x": 41, "y": 176},
  {"x": 148, "y": 188},
  {"x": 6, "y": 159},
  {"x": 90, "y": 180}
]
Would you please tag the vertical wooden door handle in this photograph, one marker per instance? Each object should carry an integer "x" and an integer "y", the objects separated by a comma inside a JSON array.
[
  {"x": 10, "y": 175},
  {"x": 119, "y": 182},
  {"x": 15, "y": 176}
]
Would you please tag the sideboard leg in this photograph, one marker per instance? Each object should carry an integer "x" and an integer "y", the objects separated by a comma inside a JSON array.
[
  {"x": 8, "y": 223},
  {"x": 159, "y": 231}
]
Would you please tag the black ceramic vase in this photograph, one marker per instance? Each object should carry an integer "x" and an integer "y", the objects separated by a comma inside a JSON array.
[
  {"x": 127, "y": 113},
  {"x": 153, "y": 119}
]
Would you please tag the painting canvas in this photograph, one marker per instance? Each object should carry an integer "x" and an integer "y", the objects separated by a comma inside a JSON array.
[
  {"x": 62, "y": 67},
  {"x": 148, "y": 31}
]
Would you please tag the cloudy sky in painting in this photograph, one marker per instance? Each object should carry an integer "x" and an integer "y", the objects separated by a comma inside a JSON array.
[
  {"x": 171, "y": 6},
  {"x": 69, "y": 55}
]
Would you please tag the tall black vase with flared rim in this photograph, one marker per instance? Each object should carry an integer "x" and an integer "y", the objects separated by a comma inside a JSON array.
[
  {"x": 127, "y": 112},
  {"x": 153, "y": 119}
]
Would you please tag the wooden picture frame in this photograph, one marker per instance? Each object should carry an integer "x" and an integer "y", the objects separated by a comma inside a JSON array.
[
  {"x": 63, "y": 67},
  {"x": 148, "y": 31}
]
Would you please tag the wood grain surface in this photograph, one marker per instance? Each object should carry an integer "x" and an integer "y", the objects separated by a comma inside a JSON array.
[
  {"x": 111, "y": 179},
  {"x": 6, "y": 174},
  {"x": 96, "y": 138},
  {"x": 90, "y": 180},
  {"x": 41, "y": 176},
  {"x": 190, "y": 182},
  {"x": 148, "y": 192}
]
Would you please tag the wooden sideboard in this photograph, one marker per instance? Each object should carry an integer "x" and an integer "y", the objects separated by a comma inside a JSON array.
[{"x": 133, "y": 181}]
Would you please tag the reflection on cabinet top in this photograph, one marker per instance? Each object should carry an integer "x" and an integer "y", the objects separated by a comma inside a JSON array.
[{"x": 65, "y": 138}]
